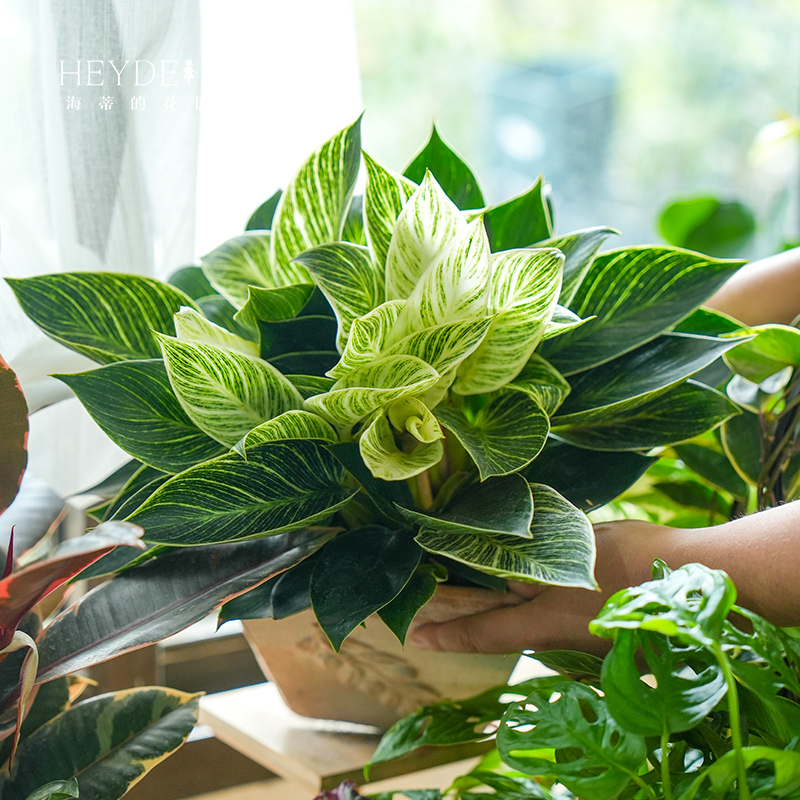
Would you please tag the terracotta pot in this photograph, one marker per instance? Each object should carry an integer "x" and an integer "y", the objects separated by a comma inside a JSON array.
[{"x": 374, "y": 680}]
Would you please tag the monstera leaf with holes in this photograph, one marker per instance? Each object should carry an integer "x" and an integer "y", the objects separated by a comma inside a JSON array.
[{"x": 405, "y": 387}]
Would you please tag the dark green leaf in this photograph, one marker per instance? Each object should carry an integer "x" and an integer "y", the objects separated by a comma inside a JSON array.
[
  {"x": 635, "y": 294},
  {"x": 357, "y": 574},
  {"x": 502, "y": 505},
  {"x": 309, "y": 385},
  {"x": 598, "y": 757},
  {"x": 273, "y": 305},
  {"x": 682, "y": 412},
  {"x": 104, "y": 316},
  {"x": 503, "y": 436},
  {"x": 261, "y": 218},
  {"x": 571, "y": 663},
  {"x": 712, "y": 465},
  {"x": 281, "y": 486},
  {"x": 111, "y": 486},
  {"x": 629, "y": 379},
  {"x": 400, "y": 612},
  {"x": 682, "y": 696},
  {"x": 107, "y": 742},
  {"x": 217, "y": 309},
  {"x": 253, "y": 604},
  {"x": 520, "y": 222},
  {"x": 708, "y": 225},
  {"x": 192, "y": 282},
  {"x": 451, "y": 173},
  {"x": 144, "y": 418},
  {"x": 561, "y": 550},
  {"x": 57, "y": 790},
  {"x": 707, "y": 322},
  {"x": 163, "y": 596},
  {"x": 587, "y": 478},
  {"x": 741, "y": 440}
]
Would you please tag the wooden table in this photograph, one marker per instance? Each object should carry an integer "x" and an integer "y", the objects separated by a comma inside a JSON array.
[{"x": 311, "y": 755}]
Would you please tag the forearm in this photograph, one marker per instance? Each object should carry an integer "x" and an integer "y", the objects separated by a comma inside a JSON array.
[
  {"x": 760, "y": 552},
  {"x": 763, "y": 291}
]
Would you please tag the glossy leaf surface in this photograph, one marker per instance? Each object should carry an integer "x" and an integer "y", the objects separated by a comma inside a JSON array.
[
  {"x": 146, "y": 419},
  {"x": 281, "y": 486},
  {"x": 519, "y": 222},
  {"x": 103, "y": 315},
  {"x": 238, "y": 263}
]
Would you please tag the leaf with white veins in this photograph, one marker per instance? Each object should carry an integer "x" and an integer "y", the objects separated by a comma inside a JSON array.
[
  {"x": 292, "y": 424},
  {"x": 225, "y": 393},
  {"x": 428, "y": 222},
  {"x": 522, "y": 296},
  {"x": 238, "y": 263},
  {"x": 191, "y": 326}
]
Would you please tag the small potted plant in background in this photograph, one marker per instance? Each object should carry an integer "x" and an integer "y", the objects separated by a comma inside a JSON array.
[
  {"x": 49, "y": 743},
  {"x": 375, "y": 397}
]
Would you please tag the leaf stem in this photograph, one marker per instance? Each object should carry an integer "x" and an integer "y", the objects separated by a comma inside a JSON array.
[
  {"x": 735, "y": 723},
  {"x": 423, "y": 496},
  {"x": 666, "y": 781}
]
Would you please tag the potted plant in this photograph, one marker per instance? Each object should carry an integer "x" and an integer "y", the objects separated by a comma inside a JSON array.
[
  {"x": 375, "y": 396},
  {"x": 49, "y": 743}
]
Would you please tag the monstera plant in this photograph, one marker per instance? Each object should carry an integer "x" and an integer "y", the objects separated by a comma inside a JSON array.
[{"x": 375, "y": 394}]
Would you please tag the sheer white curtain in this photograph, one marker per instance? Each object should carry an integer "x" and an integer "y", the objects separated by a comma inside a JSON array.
[{"x": 88, "y": 185}]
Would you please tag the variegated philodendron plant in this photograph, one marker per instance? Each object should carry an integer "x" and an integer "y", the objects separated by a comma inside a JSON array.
[{"x": 397, "y": 388}]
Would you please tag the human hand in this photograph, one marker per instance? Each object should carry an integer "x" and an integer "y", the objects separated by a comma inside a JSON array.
[{"x": 554, "y": 617}]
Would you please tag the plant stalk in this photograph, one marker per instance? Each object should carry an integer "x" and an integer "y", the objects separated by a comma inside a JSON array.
[
  {"x": 666, "y": 781},
  {"x": 735, "y": 722}
]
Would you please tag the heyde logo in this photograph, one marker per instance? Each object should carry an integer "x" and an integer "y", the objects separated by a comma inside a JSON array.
[{"x": 94, "y": 72}]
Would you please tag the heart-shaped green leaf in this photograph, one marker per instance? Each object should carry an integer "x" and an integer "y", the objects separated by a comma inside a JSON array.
[
  {"x": 560, "y": 552},
  {"x": 102, "y": 315},
  {"x": 501, "y": 437},
  {"x": 383, "y": 562},
  {"x": 146, "y": 419},
  {"x": 774, "y": 348},
  {"x": 224, "y": 392},
  {"x": 398, "y": 614},
  {"x": 635, "y": 294},
  {"x": 313, "y": 208},
  {"x": 281, "y": 486},
  {"x": 542, "y": 382}
]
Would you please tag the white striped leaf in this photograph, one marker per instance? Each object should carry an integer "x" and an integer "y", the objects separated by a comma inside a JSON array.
[
  {"x": 281, "y": 487},
  {"x": 499, "y": 507},
  {"x": 238, "y": 263},
  {"x": 225, "y": 393},
  {"x": 364, "y": 391},
  {"x": 367, "y": 340},
  {"x": 427, "y": 224},
  {"x": 562, "y": 321},
  {"x": 522, "y": 296},
  {"x": 561, "y": 551},
  {"x": 384, "y": 199},
  {"x": 503, "y": 436},
  {"x": 386, "y": 461},
  {"x": 313, "y": 208},
  {"x": 102, "y": 315},
  {"x": 682, "y": 412},
  {"x": 445, "y": 346},
  {"x": 145, "y": 418},
  {"x": 635, "y": 294},
  {"x": 271, "y": 305},
  {"x": 543, "y": 382},
  {"x": 412, "y": 416},
  {"x": 109, "y": 743},
  {"x": 453, "y": 289},
  {"x": 348, "y": 277},
  {"x": 192, "y": 326},
  {"x": 579, "y": 249},
  {"x": 289, "y": 425},
  {"x": 638, "y": 376}
]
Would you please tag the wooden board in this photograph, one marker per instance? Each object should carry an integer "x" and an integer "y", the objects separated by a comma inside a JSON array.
[{"x": 317, "y": 754}]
